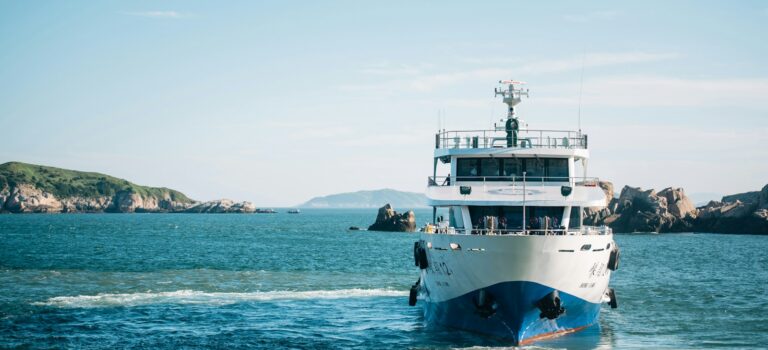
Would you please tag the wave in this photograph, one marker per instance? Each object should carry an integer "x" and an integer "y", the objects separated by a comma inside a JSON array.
[{"x": 212, "y": 298}]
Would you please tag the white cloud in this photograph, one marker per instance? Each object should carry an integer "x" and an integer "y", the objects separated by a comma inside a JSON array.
[
  {"x": 395, "y": 69},
  {"x": 591, "y": 16},
  {"x": 158, "y": 14},
  {"x": 430, "y": 81},
  {"x": 660, "y": 91}
]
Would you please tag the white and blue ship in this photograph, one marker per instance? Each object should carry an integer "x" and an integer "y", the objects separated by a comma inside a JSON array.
[{"x": 512, "y": 258}]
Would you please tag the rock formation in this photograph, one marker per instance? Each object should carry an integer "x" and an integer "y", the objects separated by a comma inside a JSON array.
[
  {"x": 670, "y": 210},
  {"x": 389, "y": 220},
  {"x": 222, "y": 206}
]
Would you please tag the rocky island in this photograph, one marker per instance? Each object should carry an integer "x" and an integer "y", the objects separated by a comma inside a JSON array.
[
  {"x": 389, "y": 220},
  {"x": 670, "y": 210},
  {"x": 29, "y": 188}
]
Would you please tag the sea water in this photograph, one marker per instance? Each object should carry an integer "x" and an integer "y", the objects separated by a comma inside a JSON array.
[{"x": 305, "y": 281}]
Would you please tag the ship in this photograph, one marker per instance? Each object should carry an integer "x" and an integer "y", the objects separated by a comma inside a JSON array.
[{"x": 509, "y": 256}]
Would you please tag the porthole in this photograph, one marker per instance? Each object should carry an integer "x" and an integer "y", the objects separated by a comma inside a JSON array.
[{"x": 586, "y": 247}]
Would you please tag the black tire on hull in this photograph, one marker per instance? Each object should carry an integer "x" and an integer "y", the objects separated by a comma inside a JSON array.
[
  {"x": 413, "y": 296},
  {"x": 423, "y": 263},
  {"x": 612, "y": 294},
  {"x": 416, "y": 246},
  {"x": 613, "y": 259}
]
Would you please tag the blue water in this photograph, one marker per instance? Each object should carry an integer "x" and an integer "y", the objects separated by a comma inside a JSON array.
[{"x": 304, "y": 281}]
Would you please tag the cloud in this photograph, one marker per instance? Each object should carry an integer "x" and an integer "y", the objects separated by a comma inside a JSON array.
[
  {"x": 159, "y": 14},
  {"x": 592, "y": 16},
  {"x": 661, "y": 91},
  {"x": 395, "y": 69},
  {"x": 426, "y": 82}
]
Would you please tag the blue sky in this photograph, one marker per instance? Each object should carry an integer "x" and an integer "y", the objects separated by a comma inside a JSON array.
[{"x": 276, "y": 102}]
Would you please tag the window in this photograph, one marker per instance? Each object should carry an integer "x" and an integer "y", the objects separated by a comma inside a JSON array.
[
  {"x": 467, "y": 169},
  {"x": 557, "y": 169},
  {"x": 575, "y": 217},
  {"x": 513, "y": 167},
  {"x": 490, "y": 167},
  {"x": 535, "y": 169}
]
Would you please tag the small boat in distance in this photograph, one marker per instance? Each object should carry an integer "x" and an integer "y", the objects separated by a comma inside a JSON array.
[
  {"x": 265, "y": 211},
  {"x": 294, "y": 211}
]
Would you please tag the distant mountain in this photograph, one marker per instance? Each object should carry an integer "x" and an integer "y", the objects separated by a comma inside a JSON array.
[{"x": 369, "y": 199}]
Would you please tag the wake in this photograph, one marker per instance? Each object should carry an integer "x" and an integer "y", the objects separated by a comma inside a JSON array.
[{"x": 210, "y": 298}]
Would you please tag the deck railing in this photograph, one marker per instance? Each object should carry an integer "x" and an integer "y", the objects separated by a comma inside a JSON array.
[
  {"x": 463, "y": 139},
  {"x": 514, "y": 179},
  {"x": 584, "y": 230}
]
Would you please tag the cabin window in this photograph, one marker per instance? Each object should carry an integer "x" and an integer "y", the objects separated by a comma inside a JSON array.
[
  {"x": 513, "y": 167},
  {"x": 467, "y": 168},
  {"x": 489, "y": 167},
  {"x": 557, "y": 169},
  {"x": 535, "y": 169},
  {"x": 509, "y": 169},
  {"x": 575, "y": 220}
]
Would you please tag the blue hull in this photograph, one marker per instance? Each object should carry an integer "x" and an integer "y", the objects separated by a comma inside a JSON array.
[{"x": 508, "y": 310}]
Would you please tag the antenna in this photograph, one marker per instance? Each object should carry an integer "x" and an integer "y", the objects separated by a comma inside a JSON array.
[
  {"x": 511, "y": 95},
  {"x": 581, "y": 87}
]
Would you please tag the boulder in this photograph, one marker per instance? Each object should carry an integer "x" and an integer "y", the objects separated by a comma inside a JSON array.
[
  {"x": 389, "y": 220},
  {"x": 678, "y": 203}
]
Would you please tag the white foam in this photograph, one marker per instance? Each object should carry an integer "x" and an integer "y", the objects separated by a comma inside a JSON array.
[{"x": 213, "y": 298}]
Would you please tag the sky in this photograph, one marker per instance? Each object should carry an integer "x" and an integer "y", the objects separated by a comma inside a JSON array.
[{"x": 277, "y": 102}]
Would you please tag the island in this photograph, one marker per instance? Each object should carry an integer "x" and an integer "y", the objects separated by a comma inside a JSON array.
[
  {"x": 368, "y": 199},
  {"x": 30, "y": 188}
]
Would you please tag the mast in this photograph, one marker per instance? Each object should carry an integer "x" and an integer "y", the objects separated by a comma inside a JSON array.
[{"x": 512, "y": 96}]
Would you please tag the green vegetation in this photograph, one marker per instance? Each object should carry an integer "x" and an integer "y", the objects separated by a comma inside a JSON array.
[{"x": 65, "y": 183}]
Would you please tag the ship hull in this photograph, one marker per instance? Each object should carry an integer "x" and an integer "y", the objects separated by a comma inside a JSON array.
[{"x": 492, "y": 284}]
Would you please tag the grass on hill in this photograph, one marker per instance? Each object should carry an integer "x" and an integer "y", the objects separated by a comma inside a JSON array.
[{"x": 65, "y": 183}]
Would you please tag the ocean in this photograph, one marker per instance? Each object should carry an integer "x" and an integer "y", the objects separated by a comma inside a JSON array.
[{"x": 168, "y": 281}]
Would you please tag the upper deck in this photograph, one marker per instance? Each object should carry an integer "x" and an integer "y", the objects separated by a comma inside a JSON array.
[{"x": 457, "y": 142}]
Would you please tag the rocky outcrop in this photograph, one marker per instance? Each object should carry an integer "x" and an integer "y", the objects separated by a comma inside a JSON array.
[
  {"x": 26, "y": 198},
  {"x": 670, "y": 210},
  {"x": 222, "y": 206},
  {"x": 389, "y": 220},
  {"x": 738, "y": 213}
]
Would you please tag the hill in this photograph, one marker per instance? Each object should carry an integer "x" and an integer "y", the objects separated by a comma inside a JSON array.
[
  {"x": 64, "y": 183},
  {"x": 30, "y": 188},
  {"x": 369, "y": 199}
]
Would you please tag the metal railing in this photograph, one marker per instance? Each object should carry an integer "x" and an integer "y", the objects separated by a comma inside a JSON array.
[
  {"x": 584, "y": 230},
  {"x": 514, "y": 179},
  {"x": 463, "y": 139}
]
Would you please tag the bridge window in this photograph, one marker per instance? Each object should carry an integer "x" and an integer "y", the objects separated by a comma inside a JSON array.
[
  {"x": 557, "y": 169},
  {"x": 513, "y": 167},
  {"x": 535, "y": 169},
  {"x": 507, "y": 169},
  {"x": 467, "y": 169},
  {"x": 490, "y": 167}
]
